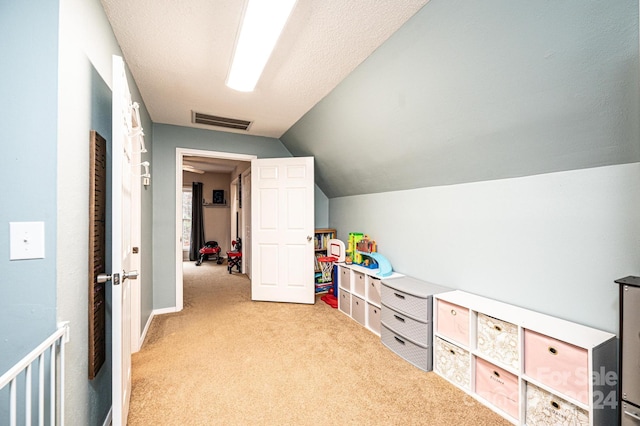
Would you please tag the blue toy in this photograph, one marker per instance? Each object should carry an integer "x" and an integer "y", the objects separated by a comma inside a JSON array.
[{"x": 384, "y": 265}]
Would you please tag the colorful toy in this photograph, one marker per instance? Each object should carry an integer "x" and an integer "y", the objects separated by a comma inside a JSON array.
[
  {"x": 354, "y": 239},
  {"x": 234, "y": 257},
  {"x": 366, "y": 245},
  {"x": 210, "y": 249}
]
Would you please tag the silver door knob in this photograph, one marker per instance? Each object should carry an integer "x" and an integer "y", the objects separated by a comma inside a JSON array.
[
  {"x": 132, "y": 275},
  {"x": 309, "y": 238},
  {"x": 103, "y": 278}
]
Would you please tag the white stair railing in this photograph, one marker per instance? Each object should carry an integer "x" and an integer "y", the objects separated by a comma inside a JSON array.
[{"x": 53, "y": 349}]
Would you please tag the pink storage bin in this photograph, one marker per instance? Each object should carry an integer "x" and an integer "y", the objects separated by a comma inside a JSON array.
[
  {"x": 557, "y": 364},
  {"x": 453, "y": 322},
  {"x": 497, "y": 386}
]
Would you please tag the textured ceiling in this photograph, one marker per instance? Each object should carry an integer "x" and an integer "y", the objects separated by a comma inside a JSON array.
[{"x": 179, "y": 52}]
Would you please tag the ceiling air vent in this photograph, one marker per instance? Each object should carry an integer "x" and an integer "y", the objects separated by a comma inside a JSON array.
[{"x": 214, "y": 120}]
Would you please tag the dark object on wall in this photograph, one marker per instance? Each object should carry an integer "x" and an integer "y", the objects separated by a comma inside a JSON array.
[
  {"x": 97, "y": 251},
  {"x": 218, "y": 196},
  {"x": 197, "y": 222}
]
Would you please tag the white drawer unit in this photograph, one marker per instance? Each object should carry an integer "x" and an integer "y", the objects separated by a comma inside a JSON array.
[
  {"x": 529, "y": 367},
  {"x": 407, "y": 308},
  {"x": 359, "y": 295}
]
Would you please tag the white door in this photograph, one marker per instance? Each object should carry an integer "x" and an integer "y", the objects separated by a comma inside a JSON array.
[
  {"x": 121, "y": 251},
  {"x": 282, "y": 210}
]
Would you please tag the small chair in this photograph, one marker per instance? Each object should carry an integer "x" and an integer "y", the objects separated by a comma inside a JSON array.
[{"x": 234, "y": 257}]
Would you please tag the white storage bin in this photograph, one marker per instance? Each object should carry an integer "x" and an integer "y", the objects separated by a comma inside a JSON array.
[
  {"x": 358, "y": 309},
  {"x": 345, "y": 278},
  {"x": 344, "y": 301},
  {"x": 374, "y": 290},
  {"x": 358, "y": 284},
  {"x": 373, "y": 318}
]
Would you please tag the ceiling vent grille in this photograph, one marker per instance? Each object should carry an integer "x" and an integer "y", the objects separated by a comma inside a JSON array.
[{"x": 214, "y": 120}]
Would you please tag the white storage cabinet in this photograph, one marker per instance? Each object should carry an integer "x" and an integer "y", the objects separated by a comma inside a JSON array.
[
  {"x": 359, "y": 295},
  {"x": 529, "y": 367}
]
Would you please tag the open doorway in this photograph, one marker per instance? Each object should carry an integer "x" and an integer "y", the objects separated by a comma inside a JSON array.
[{"x": 224, "y": 202}]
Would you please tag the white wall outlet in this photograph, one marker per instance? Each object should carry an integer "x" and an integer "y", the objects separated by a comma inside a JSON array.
[{"x": 26, "y": 240}]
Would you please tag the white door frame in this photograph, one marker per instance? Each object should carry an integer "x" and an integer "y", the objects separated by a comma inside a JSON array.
[
  {"x": 136, "y": 241},
  {"x": 246, "y": 221},
  {"x": 180, "y": 154},
  {"x": 122, "y": 216}
]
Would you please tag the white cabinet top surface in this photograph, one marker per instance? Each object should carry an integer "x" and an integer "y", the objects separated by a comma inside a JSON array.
[
  {"x": 413, "y": 286},
  {"x": 369, "y": 271},
  {"x": 567, "y": 331}
]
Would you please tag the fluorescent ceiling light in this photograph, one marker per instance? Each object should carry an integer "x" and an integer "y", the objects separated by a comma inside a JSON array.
[{"x": 263, "y": 22}]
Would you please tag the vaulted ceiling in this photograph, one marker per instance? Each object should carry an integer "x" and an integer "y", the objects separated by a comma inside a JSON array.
[
  {"x": 390, "y": 95},
  {"x": 180, "y": 51}
]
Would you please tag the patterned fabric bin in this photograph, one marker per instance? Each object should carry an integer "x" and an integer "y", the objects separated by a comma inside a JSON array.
[
  {"x": 544, "y": 408},
  {"x": 498, "y": 340},
  {"x": 452, "y": 363}
]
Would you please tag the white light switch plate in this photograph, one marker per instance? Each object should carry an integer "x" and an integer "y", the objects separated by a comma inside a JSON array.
[{"x": 26, "y": 240}]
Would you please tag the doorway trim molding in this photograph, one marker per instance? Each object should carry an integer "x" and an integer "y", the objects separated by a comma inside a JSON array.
[{"x": 180, "y": 154}]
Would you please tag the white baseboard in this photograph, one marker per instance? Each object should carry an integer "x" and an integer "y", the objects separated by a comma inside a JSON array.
[
  {"x": 163, "y": 311},
  {"x": 153, "y": 314},
  {"x": 107, "y": 421}
]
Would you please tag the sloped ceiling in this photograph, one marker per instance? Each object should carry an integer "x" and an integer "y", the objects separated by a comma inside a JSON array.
[
  {"x": 179, "y": 53},
  {"x": 463, "y": 91},
  {"x": 468, "y": 91}
]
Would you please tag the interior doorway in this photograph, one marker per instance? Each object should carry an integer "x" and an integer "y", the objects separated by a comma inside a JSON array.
[{"x": 198, "y": 162}]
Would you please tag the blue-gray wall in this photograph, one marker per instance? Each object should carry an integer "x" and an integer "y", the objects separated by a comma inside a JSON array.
[
  {"x": 476, "y": 90},
  {"x": 52, "y": 47},
  {"x": 28, "y": 152},
  {"x": 553, "y": 243},
  {"x": 86, "y": 49},
  {"x": 166, "y": 138},
  {"x": 493, "y": 147}
]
